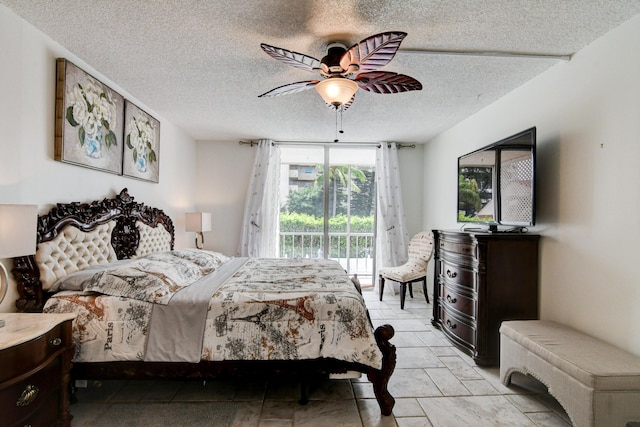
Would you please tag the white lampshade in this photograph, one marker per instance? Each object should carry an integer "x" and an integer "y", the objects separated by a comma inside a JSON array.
[
  {"x": 18, "y": 230},
  {"x": 337, "y": 90},
  {"x": 198, "y": 221}
]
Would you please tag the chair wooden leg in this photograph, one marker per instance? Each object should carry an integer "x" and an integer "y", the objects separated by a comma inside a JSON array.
[
  {"x": 411, "y": 289},
  {"x": 424, "y": 289},
  {"x": 381, "y": 286},
  {"x": 403, "y": 291}
]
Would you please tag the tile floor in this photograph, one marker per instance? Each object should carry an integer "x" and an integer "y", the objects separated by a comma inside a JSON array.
[{"x": 434, "y": 385}]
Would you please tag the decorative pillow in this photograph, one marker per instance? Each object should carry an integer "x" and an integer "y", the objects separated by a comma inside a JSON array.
[
  {"x": 78, "y": 280},
  {"x": 200, "y": 257}
]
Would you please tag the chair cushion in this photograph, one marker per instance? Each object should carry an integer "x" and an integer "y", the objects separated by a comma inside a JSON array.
[
  {"x": 420, "y": 252},
  {"x": 411, "y": 270}
]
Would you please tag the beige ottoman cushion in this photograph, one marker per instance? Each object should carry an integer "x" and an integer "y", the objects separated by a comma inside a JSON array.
[
  {"x": 589, "y": 360},
  {"x": 597, "y": 383}
]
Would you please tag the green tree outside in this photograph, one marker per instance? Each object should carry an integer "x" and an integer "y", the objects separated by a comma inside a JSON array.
[{"x": 469, "y": 202}]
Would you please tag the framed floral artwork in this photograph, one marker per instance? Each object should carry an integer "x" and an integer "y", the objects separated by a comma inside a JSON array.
[
  {"x": 89, "y": 120},
  {"x": 141, "y": 157}
]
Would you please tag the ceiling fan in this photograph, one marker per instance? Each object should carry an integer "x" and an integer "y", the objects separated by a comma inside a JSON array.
[{"x": 344, "y": 71}]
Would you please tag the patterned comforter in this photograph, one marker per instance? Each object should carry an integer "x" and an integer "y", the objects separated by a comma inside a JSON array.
[{"x": 269, "y": 309}]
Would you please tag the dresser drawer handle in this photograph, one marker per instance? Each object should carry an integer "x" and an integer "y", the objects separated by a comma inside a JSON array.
[
  {"x": 451, "y": 300},
  {"x": 28, "y": 395},
  {"x": 451, "y": 325},
  {"x": 55, "y": 342},
  {"x": 452, "y": 275}
]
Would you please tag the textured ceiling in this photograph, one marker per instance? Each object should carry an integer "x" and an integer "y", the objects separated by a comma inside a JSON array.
[{"x": 199, "y": 64}]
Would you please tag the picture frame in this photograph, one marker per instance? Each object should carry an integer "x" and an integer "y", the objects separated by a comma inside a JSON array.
[
  {"x": 89, "y": 120},
  {"x": 141, "y": 159}
]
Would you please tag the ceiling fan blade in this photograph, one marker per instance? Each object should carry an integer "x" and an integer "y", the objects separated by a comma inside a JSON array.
[
  {"x": 290, "y": 88},
  {"x": 387, "y": 82},
  {"x": 295, "y": 59},
  {"x": 374, "y": 52}
]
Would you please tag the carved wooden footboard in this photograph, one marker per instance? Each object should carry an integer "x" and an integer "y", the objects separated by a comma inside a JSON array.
[{"x": 125, "y": 240}]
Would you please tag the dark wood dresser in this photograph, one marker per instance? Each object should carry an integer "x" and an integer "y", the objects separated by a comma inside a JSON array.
[
  {"x": 35, "y": 360},
  {"x": 481, "y": 279}
]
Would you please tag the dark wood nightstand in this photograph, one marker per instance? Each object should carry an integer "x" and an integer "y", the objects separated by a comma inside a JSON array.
[{"x": 35, "y": 360}]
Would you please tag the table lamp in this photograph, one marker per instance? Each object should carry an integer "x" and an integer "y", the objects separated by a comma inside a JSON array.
[
  {"x": 198, "y": 222},
  {"x": 18, "y": 231}
]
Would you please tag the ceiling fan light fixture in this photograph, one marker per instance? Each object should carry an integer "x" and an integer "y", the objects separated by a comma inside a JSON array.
[{"x": 337, "y": 91}]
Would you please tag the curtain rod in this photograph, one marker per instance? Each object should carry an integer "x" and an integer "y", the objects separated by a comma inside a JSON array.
[
  {"x": 376, "y": 144},
  {"x": 495, "y": 54}
]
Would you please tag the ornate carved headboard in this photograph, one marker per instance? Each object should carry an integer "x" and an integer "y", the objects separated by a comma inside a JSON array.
[{"x": 74, "y": 235}]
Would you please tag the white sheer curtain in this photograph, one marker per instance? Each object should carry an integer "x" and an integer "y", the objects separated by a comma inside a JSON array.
[
  {"x": 260, "y": 224},
  {"x": 392, "y": 235}
]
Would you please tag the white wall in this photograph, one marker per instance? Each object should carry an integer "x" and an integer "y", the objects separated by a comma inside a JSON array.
[
  {"x": 223, "y": 172},
  {"x": 587, "y": 113},
  {"x": 224, "y": 169},
  {"x": 28, "y": 173}
]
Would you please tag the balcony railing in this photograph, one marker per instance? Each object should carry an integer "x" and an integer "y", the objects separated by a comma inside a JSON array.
[{"x": 354, "y": 251}]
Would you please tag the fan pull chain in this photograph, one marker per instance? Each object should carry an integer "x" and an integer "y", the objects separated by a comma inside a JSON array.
[
  {"x": 336, "y": 138},
  {"x": 338, "y": 131}
]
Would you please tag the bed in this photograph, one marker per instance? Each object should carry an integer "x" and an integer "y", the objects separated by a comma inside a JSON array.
[{"x": 145, "y": 310}]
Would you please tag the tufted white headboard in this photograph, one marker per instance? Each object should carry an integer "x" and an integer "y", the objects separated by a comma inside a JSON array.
[
  {"x": 74, "y": 250},
  {"x": 73, "y": 236},
  {"x": 152, "y": 239}
]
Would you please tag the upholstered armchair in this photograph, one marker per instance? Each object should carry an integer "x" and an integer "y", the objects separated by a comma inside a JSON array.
[{"x": 414, "y": 270}]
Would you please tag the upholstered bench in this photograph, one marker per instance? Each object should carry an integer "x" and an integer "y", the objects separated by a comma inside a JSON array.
[{"x": 596, "y": 383}]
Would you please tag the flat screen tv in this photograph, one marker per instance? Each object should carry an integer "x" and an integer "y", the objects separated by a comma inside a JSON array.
[{"x": 496, "y": 184}]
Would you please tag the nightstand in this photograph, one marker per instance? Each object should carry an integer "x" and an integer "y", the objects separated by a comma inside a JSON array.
[{"x": 35, "y": 359}]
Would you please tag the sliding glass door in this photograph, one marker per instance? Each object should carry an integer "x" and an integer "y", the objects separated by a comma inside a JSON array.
[{"x": 327, "y": 207}]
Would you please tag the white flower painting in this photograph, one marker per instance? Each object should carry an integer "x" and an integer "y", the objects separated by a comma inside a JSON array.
[
  {"x": 142, "y": 144},
  {"x": 89, "y": 123}
]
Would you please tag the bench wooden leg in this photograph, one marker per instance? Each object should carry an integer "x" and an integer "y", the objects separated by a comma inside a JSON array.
[{"x": 381, "y": 286}]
